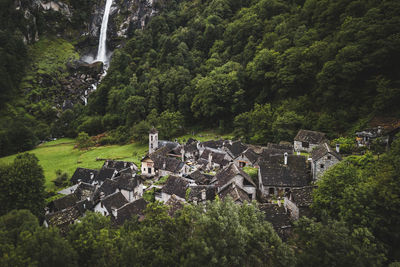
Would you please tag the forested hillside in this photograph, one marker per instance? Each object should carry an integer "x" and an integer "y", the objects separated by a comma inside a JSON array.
[{"x": 260, "y": 69}]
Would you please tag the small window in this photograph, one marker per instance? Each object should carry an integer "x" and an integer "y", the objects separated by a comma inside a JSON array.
[
  {"x": 329, "y": 157},
  {"x": 305, "y": 144},
  {"x": 322, "y": 166},
  {"x": 242, "y": 164},
  {"x": 151, "y": 145},
  {"x": 149, "y": 170},
  {"x": 105, "y": 213},
  {"x": 151, "y": 138}
]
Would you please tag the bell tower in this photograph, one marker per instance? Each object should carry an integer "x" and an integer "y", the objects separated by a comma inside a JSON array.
[{"x": 153, "y": 140}]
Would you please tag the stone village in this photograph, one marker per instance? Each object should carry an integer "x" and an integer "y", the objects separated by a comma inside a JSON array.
[{"x": 282, "y": 179}]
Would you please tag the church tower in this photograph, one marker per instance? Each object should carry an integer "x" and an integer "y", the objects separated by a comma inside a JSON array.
[{"x": 153, "y": 140}]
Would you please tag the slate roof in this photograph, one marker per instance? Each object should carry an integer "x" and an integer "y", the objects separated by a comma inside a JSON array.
[
  {"x": 171, "y": 164},
  {"x": 322, "y": 150},
  {"x": 285, "y": 147},
  {"x": 168, "y": 144},
  {"x": 84, "y": 191},
  {"x": 63, "y": 218},
  {"x": 217, "y": 156},
  {"x": 251, "y": 155},
  {"x": 196, "y": 192},
  {"x": 107, "y": 188},
  {"x": 226, "y": 175},
  {"x": 105, "y": 173},
  {"x": 190, "y": 146},
  {"x": 119, "y": 165},
  {"x": 235, "y": 192},
  {"x": 276, "y": 215},
  {"x": 175, "y": 186},
  {"x": 235, "y": 148},
  {"x": 274, "y": 173},
  {"x": 174, "y": 205},
  {"x": 63, "y": 203},
  {"x": 153, "y": 130},
  {"x": 115, "y": 200},
  {"x": 213, "y": 143},
  {"x": 127, "y": 182},
  {"x": 302, "y": 197},
  {"x": 311, "y": 137},
  {"x": 129, "y": 210},
  {"x": 200, "y": 178},
  {"x": 84, "y": 175}
]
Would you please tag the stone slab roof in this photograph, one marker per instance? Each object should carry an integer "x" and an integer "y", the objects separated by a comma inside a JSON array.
[
  {"x": 114, "y": 201},
  {"x": 119, "y": 165},
  {"x": 235, "y": 192},
  {"x": 311, "y": 137},
  {"x": 175, "y": 186},
  {"x": 322, "y": 150},
  {"x": 196, "y": 192},
  {"x": 274, "y": 173},
  {"x": 235, "y": 148},
  {"x": 84, "y": 175},
  {"x": 129, "y": 210},
  {"x": 276, "y": 215},
  {"x": 228, "y": 173},
  {"x": 64, "y": 202}
]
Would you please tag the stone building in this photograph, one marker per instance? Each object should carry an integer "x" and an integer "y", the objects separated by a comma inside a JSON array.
[
  {"x": 323, "y": 157},
  {"x": 298, "y": 202},
  {"x": 306, "y": 140}
]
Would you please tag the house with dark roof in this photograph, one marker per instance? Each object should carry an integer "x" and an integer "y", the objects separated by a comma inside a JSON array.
[
  {"x": 63, "y": 203},
  {"x": 130, "y": 210},
  {"x": 213, "y": 144},
  {"x": 85, "y": 191},
  {"x": 190, "y": 150},
  {"x": 106, "y": 173},
  {"x": 174, "y": 204},
  {"x": 233, "y": 174},
  {"x": 202, "y": 193},
  {"x": 236, "y": 193},
  {"x": 280, "y": 174},
  {"x": 234, "y": 149},
  {"x": 216, "y": 158},
  {"x": 63, "y": 218},
  {"x": 306, "y": 140},
  {"x": 247, "y": 158},
  {"x": 120, "y": 165},
  {"x": 175, "y": 185},
  {"x": 109, "y": 204},
  {"x": 107, "y": 188},
  {"x": 200, "y": 178},
  {"x": 84, "y": 175},
  {"x": 298, "y": 202},
  {"x": 130, "y": 187},
  {"x": 277, "y": 215},
  {"x": 323, "y": 157}
]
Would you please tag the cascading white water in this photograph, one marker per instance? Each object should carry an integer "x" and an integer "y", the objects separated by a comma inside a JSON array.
[{"x": 102, "y": 51}]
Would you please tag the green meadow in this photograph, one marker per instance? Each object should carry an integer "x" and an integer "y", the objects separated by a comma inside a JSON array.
[{"x": 61, "y": 154}]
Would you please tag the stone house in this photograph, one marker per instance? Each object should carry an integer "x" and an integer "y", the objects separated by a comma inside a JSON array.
[
  {"x": 277, "y": 215},
  {"x": 247, "y": 158},
  {"x": 238, "y": 195},
  {"x": 130, "y": 187},
  {"x": 84, "y": 175},
  {"x": 176, "y": 186},
  {"x": 233, "y": 174},
  {"x": 120, "y": 165},
  {"x": 148, "y": 168},
  {"x": 109, "y": 204},
  {"x": 202, "y": 193},
  {"x": 130, "y": 210},
  {"x": 216, "y": 158},
  {"x": 323, "y": 157},
  {"x": 306, "y": 140},
  {"x": 281, "y": 173},
  {"x": 234, "y": 149},
  {"x": 105, "y": 173},
  {"x": 298, "y": 202}
]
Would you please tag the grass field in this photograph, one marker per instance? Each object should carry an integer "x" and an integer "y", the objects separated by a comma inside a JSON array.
[{"x": 61, "y": 155}]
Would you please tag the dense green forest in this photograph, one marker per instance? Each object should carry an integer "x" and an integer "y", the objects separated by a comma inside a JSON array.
[
  {"x": 356, "y": 212},
  {"x": 260, "y": 69}
]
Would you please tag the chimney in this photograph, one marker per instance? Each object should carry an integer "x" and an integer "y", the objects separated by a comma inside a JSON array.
[
  {"x": 210, "y": 159},
  {"x": 164, "y": 166},
  {"x": 203, "y": 195},
  {"x": 285, "y": 159},
  {"x": 183, "y": 154},
  {"x": 338, "y": 148},
  {"x": 114, "y": 212}
]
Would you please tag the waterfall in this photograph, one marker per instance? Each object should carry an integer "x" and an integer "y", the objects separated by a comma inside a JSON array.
[{"x": 102, "y": 51}]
